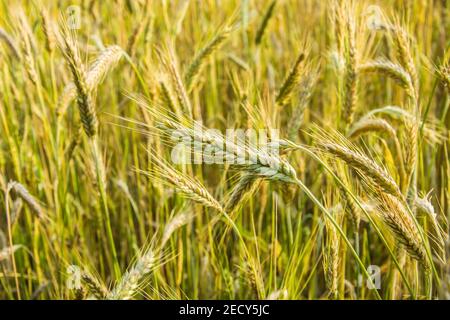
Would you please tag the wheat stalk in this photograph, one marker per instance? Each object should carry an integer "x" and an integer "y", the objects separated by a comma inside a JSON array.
[{"x": 90, "y": 122}]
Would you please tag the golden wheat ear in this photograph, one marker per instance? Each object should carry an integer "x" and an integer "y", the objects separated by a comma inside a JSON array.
[
  {"x": 400, "y": 222},
  {"x": 85, "y": 102},
  {"x": 10, "y": 42},
  {"x": 19, "y": 190},
  {"x": 105, "y": 61}
]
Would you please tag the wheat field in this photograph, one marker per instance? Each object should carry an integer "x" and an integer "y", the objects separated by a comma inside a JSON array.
[{"x": 119, "y": 178}]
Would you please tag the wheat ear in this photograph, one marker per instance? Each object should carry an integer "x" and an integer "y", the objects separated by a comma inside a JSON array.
[
  {"x": 331, "y": 258},
  {"x": 404, "y": 52},
  {"x": 187, "y": 186},
  {"x": 351, "y": 75},
  {"x": 128, "y": 285},
  {"x": 443, "y": 73},
  {"x": 290, "y": 82},
  {"x": 49, "y": 31},
  {"x": 170, "y": 65},
  {"x": 366, "y": 167},
  {"x": 200, "y": 59},
  {"x": 437, "y": 236},
  {"x": 27, "y": 52},
  {"x": 174, "y": 224},
  {"x": 23, "y": 193},
  {"x": 371, "y": 125},
  {"x": 367, "y": 125},
  {"x": 306, "y": 88},
  {"x": 245, "y": 187},
  {"x": 93, "y": 286},
  {"x": 393, "y": 71},
  {"x": 353, "y": 209},
  {"x": 263, "y": 26},
  {"x": 402, "y": 226},
  {"x": 136, "y": 34},
  {"x": 98, "y": 70},
  {"x": 84, "y": 100},
  {"x": 9, "y": 42}
]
